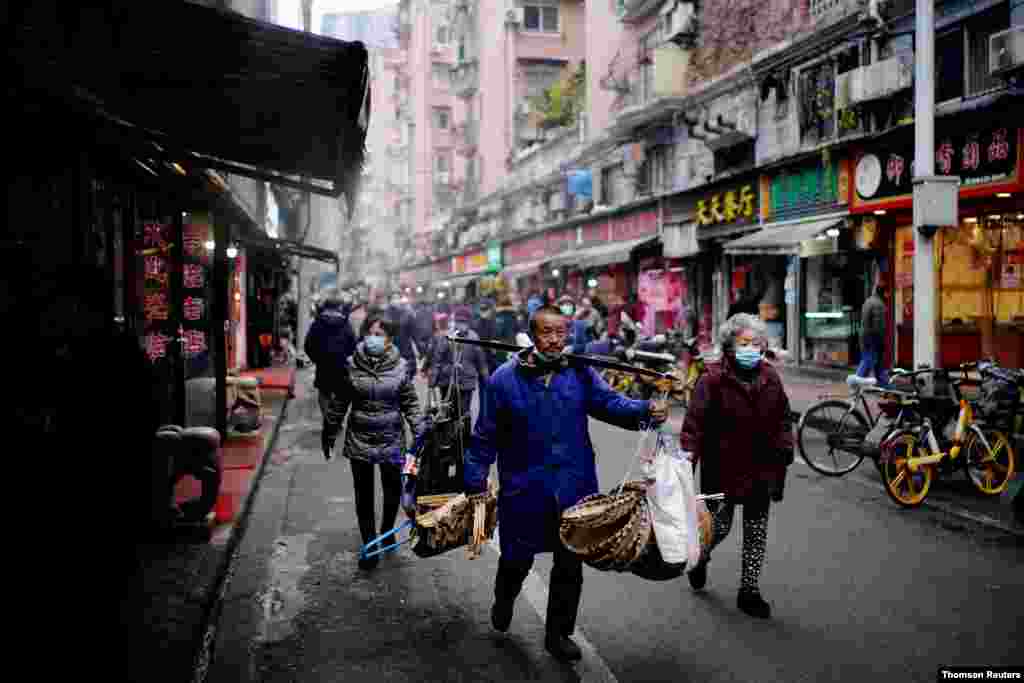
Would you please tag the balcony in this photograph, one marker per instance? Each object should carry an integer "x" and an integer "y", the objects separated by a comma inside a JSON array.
[{"x": 465, "y": 78}]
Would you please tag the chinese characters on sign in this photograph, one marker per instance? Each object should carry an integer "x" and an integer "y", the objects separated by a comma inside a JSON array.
[
  {"x": 193, "y": 308},
  {"x": 978, "y": 157},
  {"x": 726, "y": 207},
  {"x": 894, "y": 168},
  {"x": 155, "y": 306},
  {"x": 194, "y": 342},
  {"x": 153, "y": 235},
  {"x": 194, "y": 240},
  {"x": 156, "y": 345},
  {"x": 193, "y": 276}
]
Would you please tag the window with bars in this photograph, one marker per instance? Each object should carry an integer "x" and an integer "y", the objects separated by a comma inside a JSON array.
[
  {"x": 442, "y": 76},
  {"x": 540, "y": 17},
  {"x": 646, "y": 66},
  {"x": 817, "y": 102},
  {"x": 962, "y": 56},
  {"x": 442, "y": 118}
]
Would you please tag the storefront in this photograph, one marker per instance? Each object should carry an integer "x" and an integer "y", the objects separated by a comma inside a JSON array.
[
  {"x": 525, "y": 260},
  {"x": 812, "y": 281},
  {"x": 698, "y": 225},
  {"x": 146, "y": 201},
  {"x": 602, "y": 262},
  {"x": 978, "y": 263}
]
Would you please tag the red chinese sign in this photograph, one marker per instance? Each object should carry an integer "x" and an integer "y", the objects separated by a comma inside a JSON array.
[
  {"x": 156, "y": 345},
  {"x": 634, "y": 226},
  {"x": 192, "y": 308},
  {"x": 194, "y": 342},
  {"x": 193, "y": 276}
]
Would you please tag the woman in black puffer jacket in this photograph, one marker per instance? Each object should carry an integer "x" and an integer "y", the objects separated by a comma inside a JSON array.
[{"x": 381, "y": 396}]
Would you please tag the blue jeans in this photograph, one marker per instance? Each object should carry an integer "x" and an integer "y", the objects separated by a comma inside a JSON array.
[{"x": 871, "y": 361}]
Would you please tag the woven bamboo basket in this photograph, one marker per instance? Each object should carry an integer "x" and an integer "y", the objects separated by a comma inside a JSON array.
[{"x": 450, "y": 520}]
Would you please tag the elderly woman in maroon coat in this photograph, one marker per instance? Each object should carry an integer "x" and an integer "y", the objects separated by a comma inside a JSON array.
[{"x": 738, "y": 427}]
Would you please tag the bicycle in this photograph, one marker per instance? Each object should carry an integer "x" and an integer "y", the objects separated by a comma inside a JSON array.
[
  {"x": 908, "y": 468},
  {"x": 842, "y": 426}
]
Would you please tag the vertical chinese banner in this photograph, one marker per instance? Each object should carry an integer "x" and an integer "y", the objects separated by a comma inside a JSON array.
[
  {"x": 197, "y": 232},
  {"x": 153, "y": 245},
  {"x": 158, "y": 331}
]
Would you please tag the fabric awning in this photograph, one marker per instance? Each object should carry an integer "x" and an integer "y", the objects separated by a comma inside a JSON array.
[
  {"x": 783, "y": 238},
  {"x": 212, "y": 88},
  {"x": 457, "y": 280},
  {"x": 289, "y": 248},
  {"x": 601, "y": 255},
  {"x": 523, "y": 268}
]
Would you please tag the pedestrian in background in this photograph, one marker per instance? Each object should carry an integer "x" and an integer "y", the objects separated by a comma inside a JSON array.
[
  {"x": 423, "y": 327},
  {"x": 579, "y": 331},
  {"x": 402, "y": 339},
  {"x": 535, "y": 301},
  {"x": 872, "y": 336},
  {"x": 486, "y": 327},
  {"x": 329, "y": 344},
  {"x": 380, "y": 400},
  {"x": 738, "y": 428},
  {"x": 440, "y": 366},
  {"x": 534, "y": 422}
]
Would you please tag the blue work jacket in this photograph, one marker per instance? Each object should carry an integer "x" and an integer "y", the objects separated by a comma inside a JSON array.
[{"x": 535, "y": 426}]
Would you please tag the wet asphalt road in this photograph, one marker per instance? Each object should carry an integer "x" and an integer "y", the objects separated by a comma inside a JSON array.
[{"x": 860, "y": 591}]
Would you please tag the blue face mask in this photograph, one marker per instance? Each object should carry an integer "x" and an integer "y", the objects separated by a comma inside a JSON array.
[
  {"x": 374, "y": 344},
  {"x": 748, "y": 357}
]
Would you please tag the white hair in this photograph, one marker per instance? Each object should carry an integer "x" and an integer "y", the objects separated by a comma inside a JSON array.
[{"x": 740, "y": 322}]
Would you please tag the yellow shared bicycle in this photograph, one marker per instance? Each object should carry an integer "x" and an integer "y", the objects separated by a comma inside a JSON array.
[{"x": 911, "y": 457}]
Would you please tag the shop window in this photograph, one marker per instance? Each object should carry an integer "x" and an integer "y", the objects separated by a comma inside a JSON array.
[{"x": 981, "y": 265}]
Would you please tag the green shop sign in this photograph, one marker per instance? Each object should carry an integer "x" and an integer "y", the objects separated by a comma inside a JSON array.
[{"x": 494, "y": 257}]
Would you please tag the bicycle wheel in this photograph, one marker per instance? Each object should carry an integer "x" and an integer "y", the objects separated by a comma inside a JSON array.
[
  {"x": 908, "y": 489},
  {"x": 830, "y": 437},
  {"x": 990, "y": 470}
]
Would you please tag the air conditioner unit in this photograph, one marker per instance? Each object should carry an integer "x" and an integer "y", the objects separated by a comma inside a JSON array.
[
  {"x": 516, "y": 15},
  {"x": 876, "y": 81},
  {"x": 1006, "y": 51},
  {"x": 443, "y": 178}
]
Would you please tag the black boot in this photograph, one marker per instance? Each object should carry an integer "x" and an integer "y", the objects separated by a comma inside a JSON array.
[
  {"x": 698, "y": 576},
  {"x": 501, "y": 615},
  {"x": 751, "y": 602},
  {"x": 368, "y": 564},
  {"x": 562, "y": 647}
]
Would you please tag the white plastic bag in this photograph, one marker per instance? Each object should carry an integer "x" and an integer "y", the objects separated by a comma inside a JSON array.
[{"x": 673, "y": 502}]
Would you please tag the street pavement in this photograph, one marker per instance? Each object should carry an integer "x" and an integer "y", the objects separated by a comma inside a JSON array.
[{"x": 861, "y": 590}]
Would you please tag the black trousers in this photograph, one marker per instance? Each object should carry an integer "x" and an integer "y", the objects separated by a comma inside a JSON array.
[
  {"x": 564, "y": 589},
  {"x": 465, "y": 395},
  {"x": 363, "y": 481}
]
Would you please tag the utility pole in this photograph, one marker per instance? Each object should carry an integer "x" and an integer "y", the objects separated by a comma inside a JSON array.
[{"x": 935, "y": 197}]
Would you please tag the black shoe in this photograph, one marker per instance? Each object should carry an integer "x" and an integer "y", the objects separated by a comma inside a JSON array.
[
  {"x": 501, "y": 615},
  {"x": 562, "y": 648},
  {"x": 368, "y": 564},
  {"x": 753, "y": 604},
  {"x": 698, "y": 576}
]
